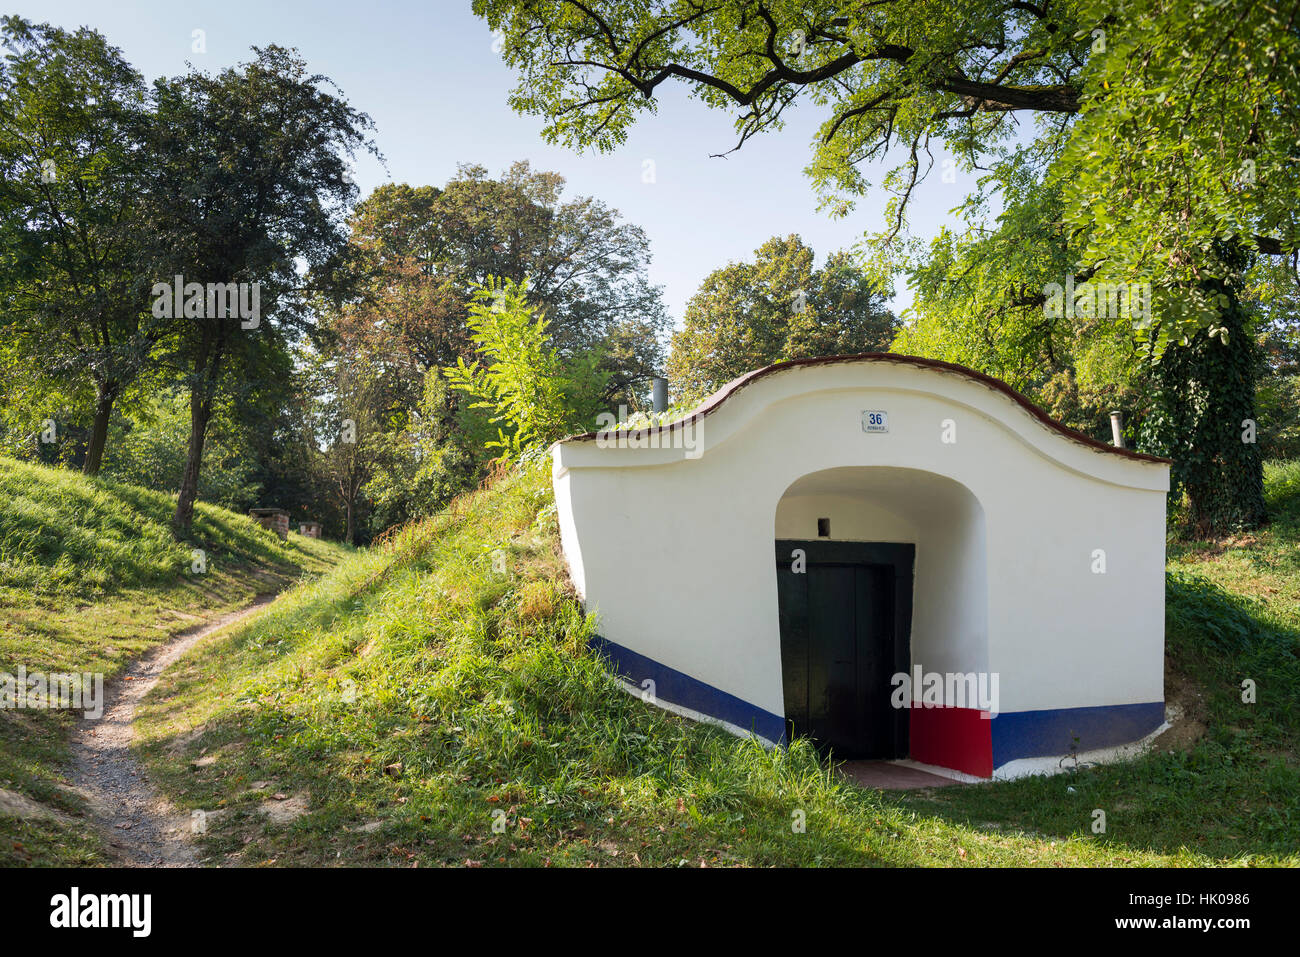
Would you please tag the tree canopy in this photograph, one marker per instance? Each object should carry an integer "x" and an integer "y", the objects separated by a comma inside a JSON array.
[
  {"x": 251, "y": 190},
  {"x": 780, "y": 306},
  {"x": 1171, "y": 126},
  {"x": 419, "y": 252}
]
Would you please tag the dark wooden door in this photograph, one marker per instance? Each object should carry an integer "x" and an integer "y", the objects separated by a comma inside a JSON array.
[{"x": 845, "y": 622}]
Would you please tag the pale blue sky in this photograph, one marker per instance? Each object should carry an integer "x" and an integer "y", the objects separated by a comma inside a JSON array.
[{"x": 427, "y": 74}]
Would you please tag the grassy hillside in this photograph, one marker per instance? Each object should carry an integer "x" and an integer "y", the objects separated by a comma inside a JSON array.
[
  {"x": 395, "y": 710},
  {"x": 90, "y": 577}
]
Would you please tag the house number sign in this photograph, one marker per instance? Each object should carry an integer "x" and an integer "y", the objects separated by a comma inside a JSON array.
[{"x": 875, "y": 421}]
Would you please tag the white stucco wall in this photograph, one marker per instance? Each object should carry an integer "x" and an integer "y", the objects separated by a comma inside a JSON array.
[
  {"x": 941, "y": 518},
  {"x": 674, "y": 551}
]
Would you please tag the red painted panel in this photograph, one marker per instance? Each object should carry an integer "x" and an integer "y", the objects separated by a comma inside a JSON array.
[{"x": 957, "y": 738}]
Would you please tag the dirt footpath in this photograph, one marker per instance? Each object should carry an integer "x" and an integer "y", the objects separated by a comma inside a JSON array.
[{"x": 138, "y": 823}]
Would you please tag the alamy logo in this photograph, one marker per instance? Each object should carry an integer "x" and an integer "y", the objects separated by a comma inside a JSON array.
[
  {"x": 938, "y": 689},
  {"x": 217, "y": 300},
  {"x": 75, "y": 909},
  {"x": 1097, "y": 300},
  {"x": 37, "y": 691},
  {"x": 642, "y": 432}
]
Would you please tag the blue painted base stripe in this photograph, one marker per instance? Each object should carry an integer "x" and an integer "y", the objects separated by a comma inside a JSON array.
[
  {"x": 681, "y": 689},
  {"x": 1034, "y": 734}
]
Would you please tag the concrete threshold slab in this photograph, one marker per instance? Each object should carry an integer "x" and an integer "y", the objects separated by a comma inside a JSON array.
[{"x": 891, "y": 776}]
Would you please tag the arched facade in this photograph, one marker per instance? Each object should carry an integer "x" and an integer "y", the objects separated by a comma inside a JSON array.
[{"x": 1035, "y": 558}]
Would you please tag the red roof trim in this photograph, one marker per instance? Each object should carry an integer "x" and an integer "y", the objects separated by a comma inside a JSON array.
[{"x": 715, "y": 401}]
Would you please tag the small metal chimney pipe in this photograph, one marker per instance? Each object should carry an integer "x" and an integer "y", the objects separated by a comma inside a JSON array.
[
  {"x": 659, "y": 394},
  {"x": 1117, "y": 429}
]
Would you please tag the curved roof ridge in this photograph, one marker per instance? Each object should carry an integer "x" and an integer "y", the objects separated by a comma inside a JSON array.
[{"x": 716, "y": 400}]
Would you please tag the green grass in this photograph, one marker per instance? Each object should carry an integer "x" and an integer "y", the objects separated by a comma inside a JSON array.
[
  {"x": 90, "y": 578},
  {"x": 410, "y": 698}
]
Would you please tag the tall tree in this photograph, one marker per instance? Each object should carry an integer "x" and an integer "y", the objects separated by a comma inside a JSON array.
[
  {"x": 778, "y": 307},
  {"x": 584, "y": 265},
  {"x": 406, "y": 306},
  {"x": 148, "y": 449},
  {"x": 416, "y": 256},
  {"x": 421, "y": 251},
  {"x": 251, "y": 190},
  {"x": 1204, "y": 388},
  {"x": 73, "y": 259},
  {"x": 348, "y": 419}
]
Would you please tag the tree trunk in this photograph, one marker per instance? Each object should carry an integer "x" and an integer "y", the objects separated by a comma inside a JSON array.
[
  {"x": 1226, "y": 491},
  {"x": 1205, "y": 414},
  {"x": 200, "y": 415},
  {"x": 351, "y": 522},
  {"x": 99, "y": 431}
]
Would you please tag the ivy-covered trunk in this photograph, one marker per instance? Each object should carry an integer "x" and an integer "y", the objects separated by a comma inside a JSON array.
[{"x": 1204, "y": 419}]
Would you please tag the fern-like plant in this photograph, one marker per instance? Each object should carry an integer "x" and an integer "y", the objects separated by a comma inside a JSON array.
[{"x": 531, "y": 393}]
